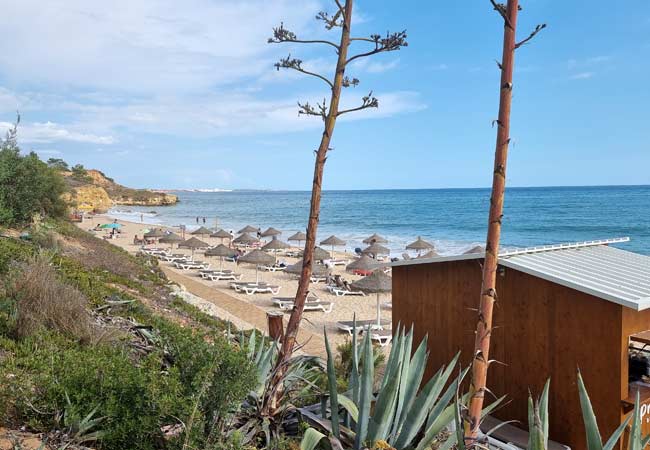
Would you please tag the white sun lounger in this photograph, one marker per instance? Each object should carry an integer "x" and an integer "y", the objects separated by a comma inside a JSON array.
[
  {"x": 250, "y": 289},
  {"x": 205, "y": 273},
  {"x": 317, "y": 279},
  {"x": 271, "y": 268},
  {"x": 347, "y": 326},
  {"x": 231, "y": 276},
  {"x": 314, "y": 305},
  {"x": 387, "y": 305},
  {"x": 175, "y": 258},
  {"x": 338, "y": 262},
  {"x": 383, "y": 337},
  {"x": 339, "y": 292},
  {"x": 188, "y": 265}
]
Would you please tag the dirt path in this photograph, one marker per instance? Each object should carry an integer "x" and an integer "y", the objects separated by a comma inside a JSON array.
[{"x": 254, "y": 315}]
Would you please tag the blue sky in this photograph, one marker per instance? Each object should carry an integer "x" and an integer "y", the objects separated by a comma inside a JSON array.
[{"x": 161, "y": 96}]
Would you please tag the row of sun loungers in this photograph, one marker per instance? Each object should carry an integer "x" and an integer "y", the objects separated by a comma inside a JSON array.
[{"x": 250, "y": 288}]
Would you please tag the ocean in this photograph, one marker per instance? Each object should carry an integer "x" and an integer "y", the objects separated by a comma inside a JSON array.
[{"x": 452, "y": 219}]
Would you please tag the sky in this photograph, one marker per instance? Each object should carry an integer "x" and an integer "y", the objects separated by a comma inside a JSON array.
[{"x": 162, "y": 96}]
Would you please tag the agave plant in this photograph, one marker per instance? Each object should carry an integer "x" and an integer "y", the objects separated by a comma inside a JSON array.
[
  {"x": 78, "y": 429},
  {"x": 298, "y": 380},
  {"x": 400, "y": 415}
]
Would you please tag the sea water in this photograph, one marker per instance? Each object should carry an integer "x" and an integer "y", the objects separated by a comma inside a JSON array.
[{"x": 452, "y": 219}]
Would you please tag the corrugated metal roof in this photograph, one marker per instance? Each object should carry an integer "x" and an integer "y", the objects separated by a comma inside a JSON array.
[{"x": 593, "y": 267}]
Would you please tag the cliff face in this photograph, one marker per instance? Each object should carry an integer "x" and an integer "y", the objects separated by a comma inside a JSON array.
[{"x": 97, "y": 192}]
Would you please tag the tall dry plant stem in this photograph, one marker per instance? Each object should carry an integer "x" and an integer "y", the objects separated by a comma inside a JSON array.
[{"x": 481, "y": 355}]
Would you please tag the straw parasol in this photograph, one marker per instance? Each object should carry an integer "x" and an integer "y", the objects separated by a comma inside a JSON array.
[
  {"x": 430, "y": 254},
  {"x": 375, "y": 238},
  {"x": 475, "y": 249},
  {"x": 244, "y": 238},
  {"x": 376, "y": 249},
  {"x": 320, "y": 254},
  {"x": 221, "y": 251},
  {"x": 156, "y": 233},
  {"x": 171, "y": 238},
  {"x": 201, "y": 231},
  {"x": 257, "y": 257},
  {"x": 248, "y": 229},
  {"x": 377, "y": 283},
  {"x": 193, "y": 243},
  {"x": 299, "y": 236},
  {"x": 419, "y": 244},
  {"x": 275, "y": 244},
  {"x": 363, "y": 263},
  {"x": 317, "y": 269},
  {"x": 270, "y": 232},
  {"x": 221, "y": 234},
  {"x": 333, "y": 241}
]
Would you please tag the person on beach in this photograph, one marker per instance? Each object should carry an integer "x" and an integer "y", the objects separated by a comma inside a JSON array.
[
  {"x": 197, "y": 219},
  {"x": 204, "y": 220},
  {"x": 141, "y": 217}
]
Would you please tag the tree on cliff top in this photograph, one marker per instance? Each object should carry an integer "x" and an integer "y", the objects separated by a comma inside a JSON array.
[{"x": 27, "y": 185}]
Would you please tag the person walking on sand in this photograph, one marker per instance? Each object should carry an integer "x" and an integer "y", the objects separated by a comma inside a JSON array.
[
  {"x": 204, "y": 221},
  {"x": 197, "y": 219},
  {"x": 141, "y": 218}
]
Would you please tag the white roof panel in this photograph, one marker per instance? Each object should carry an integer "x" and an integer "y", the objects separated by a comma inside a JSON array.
[{"x": 593, "y": 267}]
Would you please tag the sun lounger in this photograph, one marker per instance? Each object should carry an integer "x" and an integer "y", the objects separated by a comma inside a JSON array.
[
  {"x": 338, "y": 262},
  {"x": 250, "y": 289},
  {"x": 189, "y": 265},
  {"x": 205, "y": 273},
  {"x": 387, "y": 305},
  {"x": 347, "y": 325},
  {"x": 314, "y": 305},
  {"x": 231, "y": 276},
  {"x": 383, "y": 337},
  {"x": 271, "y": 268},
  {"x": 318, "y": 279},
  {"x": 176, "y": 257},
  {"x": 339, "y": 291}
]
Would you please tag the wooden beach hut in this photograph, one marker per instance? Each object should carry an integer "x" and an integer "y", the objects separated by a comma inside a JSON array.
[{"x": 559, "y": 308}]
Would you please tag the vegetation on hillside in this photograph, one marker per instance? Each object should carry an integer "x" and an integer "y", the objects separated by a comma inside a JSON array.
[{"x": 27, "y": 185}]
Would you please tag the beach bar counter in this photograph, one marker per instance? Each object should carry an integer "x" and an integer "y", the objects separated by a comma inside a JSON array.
[{"x": 560, "y": 308}]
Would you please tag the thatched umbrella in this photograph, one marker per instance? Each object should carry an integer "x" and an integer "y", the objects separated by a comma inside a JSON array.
[
  {"x": 376, "y": 249},
  {"x": 270, "y": 232},
  {"x": 275, "y": 244},
  {"x": 201, "y": 231},
  {"x": 377, "y": 283},
  {"x": 430, "y": 254},
  {"x": 333, "y": 241},
  {"x": 317, "y": 269},
  {"x": 419, "y": 244},
  {"x": 363, "y": 263},
  {"x": 257, "y": 257},
  {"x": 171, "y": 239},
  {"x": 248, "y": 229},
  {"x": 156, "y": 233},
  {"x": 245, "y": 238},
  {"x": 221, "y": 234},
  {"x": 475, "y": 249},
  {"x": 320, "y": 254},
  {"x": 299, "y": 236},
  {"x": 375, "y": 239},
  {"x": 193, "y": 243},
  {"x": 221, "y": 251}
]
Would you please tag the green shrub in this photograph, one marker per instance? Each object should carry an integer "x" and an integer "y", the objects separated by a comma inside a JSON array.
[{"x": 27, "y": 185}]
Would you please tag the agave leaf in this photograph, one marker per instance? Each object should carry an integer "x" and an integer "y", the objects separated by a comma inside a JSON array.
[
  {"x": 418, "y": 413},
  {"x": 413, "y": 381},
  {"x": 395, "y": 349},
  {"x": 613, "y": 439},
  {"x": 535, "y": 431},
  {"x": 443, "y": 419},
  {"x": 405, "y": 378},
  {"x": 251, "y": 344},
  {"x": 594, "y": 441},
  {"x": 331, "y": 381},
  {"x": 445, "y": 376},
  {"x": 311, "y": 439},
  {"x": 543, "y": 411},
  {"x": 354, "y": 373},
  {"x": 365, "y": 397},
  {"x": 260, "y": 351},
  {"x": 349, "y": 406},
  {"x": 635, "y": 432},
  {"x": 384, "y": 410}
]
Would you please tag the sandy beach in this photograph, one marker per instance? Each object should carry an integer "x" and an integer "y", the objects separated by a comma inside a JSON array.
[{"x": 250, "y": 310}]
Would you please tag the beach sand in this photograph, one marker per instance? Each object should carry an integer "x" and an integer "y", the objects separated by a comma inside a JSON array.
[{"x": 250, "y": 310}]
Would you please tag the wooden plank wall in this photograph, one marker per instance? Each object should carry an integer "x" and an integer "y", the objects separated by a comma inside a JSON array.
[{"x": 542, "y": 330}]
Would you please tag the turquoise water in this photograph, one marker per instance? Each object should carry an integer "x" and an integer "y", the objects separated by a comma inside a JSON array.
[{"x": 452, "y": 219}]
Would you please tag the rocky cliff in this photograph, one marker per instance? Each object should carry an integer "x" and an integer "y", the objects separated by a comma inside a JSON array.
[{"x": 94, "y": 191}]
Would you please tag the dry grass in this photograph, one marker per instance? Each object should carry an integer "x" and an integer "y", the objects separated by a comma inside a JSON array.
[{"x": 43, "y": 301}]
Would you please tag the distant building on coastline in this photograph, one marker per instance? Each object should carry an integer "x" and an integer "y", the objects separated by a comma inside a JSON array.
[{"x": 559, "y": 308}]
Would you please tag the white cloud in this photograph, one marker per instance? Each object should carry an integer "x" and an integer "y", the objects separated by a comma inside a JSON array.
[
  {"x": 47, "y": 132},
  {"x": 148, "y": 45},
  {"x": 379, "y": 67},
  {"x": 582, "y": 76}
]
